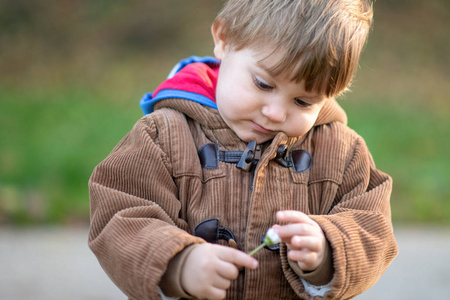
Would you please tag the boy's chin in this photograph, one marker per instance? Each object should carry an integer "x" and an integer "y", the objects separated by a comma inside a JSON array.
[{"x": 259, "y": 140}]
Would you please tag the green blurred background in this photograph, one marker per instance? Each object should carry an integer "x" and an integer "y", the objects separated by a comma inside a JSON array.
[{"x": 72, "y": 73}]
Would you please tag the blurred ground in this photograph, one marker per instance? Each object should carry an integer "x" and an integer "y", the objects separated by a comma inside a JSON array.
[{"x": 55, "y": 263}]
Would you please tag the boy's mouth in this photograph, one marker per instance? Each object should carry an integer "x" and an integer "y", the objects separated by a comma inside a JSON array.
[{"x": 261, "y": 129}]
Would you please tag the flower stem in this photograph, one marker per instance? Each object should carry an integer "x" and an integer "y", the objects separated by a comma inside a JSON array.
[{"x": 256, "y": 249}]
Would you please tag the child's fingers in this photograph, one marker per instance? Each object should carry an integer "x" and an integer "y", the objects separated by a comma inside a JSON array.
[
  {"x": 227, "y": 270},
  {"x": 302, "y": 255},
  {"x": 293, "y": 216},
  {"x": 310, "y": 243},
  {"x": 290, "y": 230},
  {"x": 221, "y": 282},
  {"x": 215, "y": 293},
  {"x": 307, "y": 260},
  {"x": 238, "y": 258}
]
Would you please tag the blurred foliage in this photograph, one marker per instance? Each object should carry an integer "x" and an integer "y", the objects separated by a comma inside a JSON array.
[
  {"x": 66, "y": 42},
  {"x": 72, "y": 73}
]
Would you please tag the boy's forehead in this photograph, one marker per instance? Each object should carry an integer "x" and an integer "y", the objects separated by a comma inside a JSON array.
[{"x": 271, "y": 61}]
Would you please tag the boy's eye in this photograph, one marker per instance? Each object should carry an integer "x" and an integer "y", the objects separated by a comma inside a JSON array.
[
  {"x": 302, "y": 103},
  {"x": 261, "y": 84}
]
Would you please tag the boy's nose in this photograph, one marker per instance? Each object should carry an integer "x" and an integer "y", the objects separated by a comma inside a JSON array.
[{"x": 274, "y": 112}]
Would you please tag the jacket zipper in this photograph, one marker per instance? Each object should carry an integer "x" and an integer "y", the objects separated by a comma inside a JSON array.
[{"x": 255, "y": 163}]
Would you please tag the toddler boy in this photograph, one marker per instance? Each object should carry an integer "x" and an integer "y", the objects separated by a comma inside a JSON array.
[{"x": 235, "y": 144}]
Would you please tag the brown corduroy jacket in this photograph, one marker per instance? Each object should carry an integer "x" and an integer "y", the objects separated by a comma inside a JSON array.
[{"x": 148, "y": 195}]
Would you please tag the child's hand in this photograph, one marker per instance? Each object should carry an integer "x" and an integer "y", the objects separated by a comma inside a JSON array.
[
  {"x": 305, "y": 239},
  {"x": 209, "y": 269}
]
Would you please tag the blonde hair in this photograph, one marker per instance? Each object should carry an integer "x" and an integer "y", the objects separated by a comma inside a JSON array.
[{"x": 321, "y": 40}]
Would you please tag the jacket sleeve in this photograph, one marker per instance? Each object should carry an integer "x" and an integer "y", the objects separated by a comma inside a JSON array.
[
  {"x": 135, "y": 225},
  {"x": 359, "y": 227}
]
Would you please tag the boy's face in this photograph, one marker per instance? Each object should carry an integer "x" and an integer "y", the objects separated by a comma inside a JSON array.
[{"x": 257, "y": 105}]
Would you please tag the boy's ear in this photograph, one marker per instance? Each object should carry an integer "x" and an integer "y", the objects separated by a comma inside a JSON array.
[{"x": 217, "y": 30}]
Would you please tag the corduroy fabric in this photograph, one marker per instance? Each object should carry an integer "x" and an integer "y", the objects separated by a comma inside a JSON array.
[{"x": 150, "y": 192}]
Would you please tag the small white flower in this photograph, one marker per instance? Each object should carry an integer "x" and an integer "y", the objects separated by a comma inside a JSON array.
[{"x": 272, "y": 238}]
